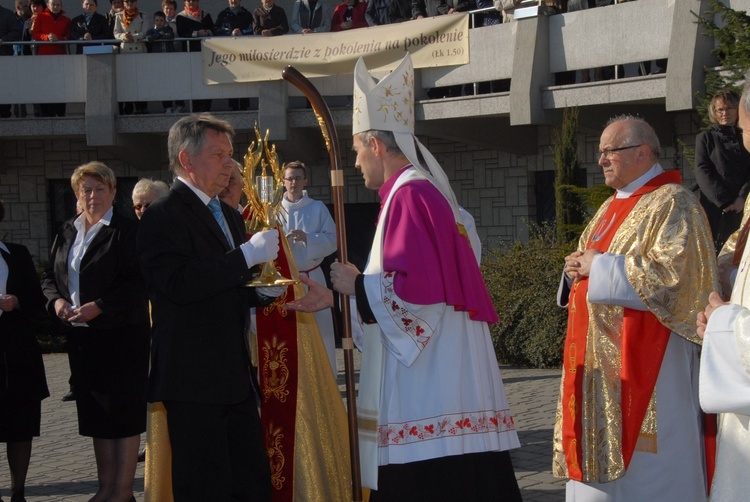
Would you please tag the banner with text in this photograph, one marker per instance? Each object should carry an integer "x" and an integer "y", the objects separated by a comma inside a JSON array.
[{"x": 436, "y": 41}]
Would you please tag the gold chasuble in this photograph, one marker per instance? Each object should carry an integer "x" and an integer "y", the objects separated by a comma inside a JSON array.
[
  {"x": 612, "y": 356},
  {"x": 302, "y": 412}
]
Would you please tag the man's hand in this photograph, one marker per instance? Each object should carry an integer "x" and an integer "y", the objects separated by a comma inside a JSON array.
[
  {"x": 578, "y": 264},
  {"x": 735, "y": 207},
  {"x": 343, "y": 276},
  {"x": 297, "y": 236},
  {"x": 63, "y": 309},
  {"x": 317, "y": 298},
  {"x": 85, "y": 312},
  {"x": 714, "y": 302},
  {"x": 8, "y": 302},
  {"x": 236, "y": 32}
]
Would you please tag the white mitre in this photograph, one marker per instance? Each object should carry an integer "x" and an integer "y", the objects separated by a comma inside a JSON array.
[{"x": 388, "y": 105}]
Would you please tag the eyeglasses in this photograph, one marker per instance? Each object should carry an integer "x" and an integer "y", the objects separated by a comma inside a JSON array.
[
  {"x": 608, "y": 153},
  {"x": 294, "y": 178},
  {"x": 141, "y": 207}
]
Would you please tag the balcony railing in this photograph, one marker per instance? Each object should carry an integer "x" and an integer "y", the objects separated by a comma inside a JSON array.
[{"x": 527, "y": 54}]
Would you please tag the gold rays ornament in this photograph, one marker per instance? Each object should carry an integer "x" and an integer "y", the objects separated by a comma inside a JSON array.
[{"x": 264, "y": 194}]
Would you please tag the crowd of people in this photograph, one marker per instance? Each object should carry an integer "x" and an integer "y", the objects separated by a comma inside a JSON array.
[
  {"x": 644, "y": 291},
  {"x": 138, "y": 32}
]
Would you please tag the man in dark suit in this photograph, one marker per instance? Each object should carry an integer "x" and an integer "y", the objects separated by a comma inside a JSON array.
[{"x": 196, "y": 267}]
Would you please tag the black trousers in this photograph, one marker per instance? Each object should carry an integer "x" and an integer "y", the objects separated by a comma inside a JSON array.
[
  {"x": 218, "y": 452},
  {"x": 476, "y": 477}
]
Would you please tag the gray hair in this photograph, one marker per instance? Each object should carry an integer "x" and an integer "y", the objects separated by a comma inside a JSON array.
[
  {"x": 385, "y": 137},
  {"x": 189, "y": 134},
  {"x": 147, "y": 185},
  {"x": 640, "y": 132},
  {"x": 745, "y": 99}
]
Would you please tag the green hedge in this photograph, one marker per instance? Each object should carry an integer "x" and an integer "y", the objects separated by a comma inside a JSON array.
[{"x": 523, "y": 281}]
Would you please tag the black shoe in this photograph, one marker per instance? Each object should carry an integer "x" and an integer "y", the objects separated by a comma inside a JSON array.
[
  {"x": 142, "y": 455},
  {"x": 70, "y": 396}
]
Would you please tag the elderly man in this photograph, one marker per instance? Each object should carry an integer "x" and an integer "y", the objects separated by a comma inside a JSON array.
[
  {"x": 434, "y": 421},
  {"x": 232, "y": 194},
  {"x": 196, "y": 262},
  {"x": 628, "y": 423},
  {"x": 725, "y": 371}
]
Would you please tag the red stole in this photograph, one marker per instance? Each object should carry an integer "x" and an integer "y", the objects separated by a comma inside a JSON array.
[
  {"x": 277, "y": 369},
  {"x": 640, "y": 361}
]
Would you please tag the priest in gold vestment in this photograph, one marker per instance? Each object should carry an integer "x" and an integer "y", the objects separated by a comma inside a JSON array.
[
  {"x": 629, "y": 425},
  {"x": 725, "y": 361}
]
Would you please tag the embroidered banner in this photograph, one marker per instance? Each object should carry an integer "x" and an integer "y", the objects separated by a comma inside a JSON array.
[{"x": 432, "y": 42}]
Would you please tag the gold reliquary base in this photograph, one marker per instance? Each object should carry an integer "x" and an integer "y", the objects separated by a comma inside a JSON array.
[{"x": 270, "y": 276}]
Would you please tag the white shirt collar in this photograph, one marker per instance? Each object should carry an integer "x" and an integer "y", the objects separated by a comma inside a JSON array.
[
  {"x": 630, "y": 188},
  {"x": 200, "y": 193},
  {"x": 105, "y": 220},
  {"x": 4, "y": 247}
]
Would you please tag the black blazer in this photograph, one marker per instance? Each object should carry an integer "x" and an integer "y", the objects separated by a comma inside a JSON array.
[
  {"x": 199, "y": 304},
  {"x": 98, "y": 27},
  {"x": 21, "y": 364},
  {"x": 109, "y": 275}
]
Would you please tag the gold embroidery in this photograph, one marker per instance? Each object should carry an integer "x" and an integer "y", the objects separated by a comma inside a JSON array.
[
  {"x": 274, "y": 439},
  {"x": 277, "y": 304},
  {"x": 669, "y": 262},
  {"x": 572, "y": 358},
  {"x": 275, "y": 372},
  {"x": 572, "y": 407}
]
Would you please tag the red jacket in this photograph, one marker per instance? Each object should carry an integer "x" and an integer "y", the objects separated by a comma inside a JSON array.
[
  {"x": 358, "y": 16},
  {"x": 44, "y": 25}
]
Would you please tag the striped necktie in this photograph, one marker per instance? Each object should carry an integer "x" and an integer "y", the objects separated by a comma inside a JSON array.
[{"x": 215, "y": 206}]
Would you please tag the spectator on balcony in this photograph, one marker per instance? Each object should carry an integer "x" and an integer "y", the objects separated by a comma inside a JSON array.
[
  {"x": 488, "y": 18},
  {"x": 10, "y": 31},
  {"x": 52, "y": 26},
  {"x": 89, "y": 26},
  {"x": 269, "y": 20},
  {"x": 23, "y": 14},
  {"x": 376, "y": 12},
  {"x": 193, "y": 22},
  {"x": 235, "y": 21},
  {"x": 310, "y": 16},
  {"x": 430, "y": 8},
  {"x": 160, "y": 37},
  {"x": 507, "y": 8},
  {"x": 115, "y": 7},
  {"x": 399, "y": 11},
  {"x": 130, "y": 28},
  {"x": 169, "y": 7},
  {"x": 349, "y": 15},
  {"x": 37, "y": 7},
  {"x": 722, "y": 167}
]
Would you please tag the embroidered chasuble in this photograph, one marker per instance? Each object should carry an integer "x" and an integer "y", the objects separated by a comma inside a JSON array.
[
  {"x": 613, "y": 354},
  {"x": 302, "y": 413}
]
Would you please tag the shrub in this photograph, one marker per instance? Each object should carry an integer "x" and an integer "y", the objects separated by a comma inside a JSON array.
[{"x": 522, "y": 281}]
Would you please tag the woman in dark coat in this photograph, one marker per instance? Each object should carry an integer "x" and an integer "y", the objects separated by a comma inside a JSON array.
[
  {"x": 23, "y": 384},
  {"x": 722, "y": 167},
  {"x": 96, "y": 291}
]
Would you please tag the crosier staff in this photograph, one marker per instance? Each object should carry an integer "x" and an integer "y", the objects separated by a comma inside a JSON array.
[{"x": 325, "y": 120}]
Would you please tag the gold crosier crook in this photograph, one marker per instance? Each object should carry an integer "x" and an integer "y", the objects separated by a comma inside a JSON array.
[
  {"x": 264, "y": 194},
  {"x": 325, "y": 120}
]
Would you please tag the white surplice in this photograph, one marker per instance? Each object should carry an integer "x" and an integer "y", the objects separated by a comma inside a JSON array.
[
  {"x": 436, "y": 393},
  {"x": 725, "y": 388},
  {"x": 313, "y": 218}
]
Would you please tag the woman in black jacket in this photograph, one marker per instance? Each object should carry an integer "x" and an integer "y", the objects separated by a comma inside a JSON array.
[
  {"x": 96, "y": 291},
  {"x": 23, "y": 384},
  {"x": 722, "y": 167}
]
